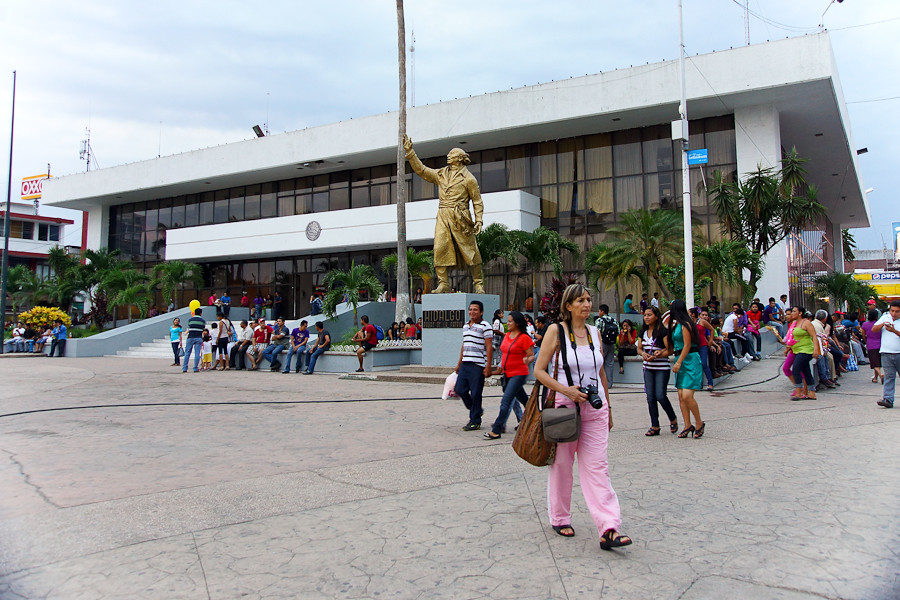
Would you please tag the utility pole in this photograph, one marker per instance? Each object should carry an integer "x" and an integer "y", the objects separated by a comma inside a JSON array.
[
  {"x": 4, "y": 270},
  {"x": 685, "y": 174}
]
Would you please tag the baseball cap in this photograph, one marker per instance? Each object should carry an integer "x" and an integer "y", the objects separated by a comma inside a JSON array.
[{"x": 870, "y": 302}]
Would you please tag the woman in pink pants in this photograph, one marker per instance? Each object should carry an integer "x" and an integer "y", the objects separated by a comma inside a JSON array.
[{"x": 585, "y": 359}]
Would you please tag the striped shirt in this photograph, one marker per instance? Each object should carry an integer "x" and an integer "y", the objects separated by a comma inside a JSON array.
[
  {"x": 475, "y": 340},
  {"x": 196, "y": 325},
  {"x": 650, "y": 344}
]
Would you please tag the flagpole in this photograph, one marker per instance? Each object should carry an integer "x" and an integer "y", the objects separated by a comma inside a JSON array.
[{"x": 4, "y": 272}]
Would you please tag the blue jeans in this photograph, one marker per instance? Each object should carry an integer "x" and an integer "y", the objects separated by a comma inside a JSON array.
[
  {"x": 271, "y": 353},
  {"x": 195, "y": 344},
  {"x": 515, "y": 391},
  {"x": 890, "y": 362},
  {"x": 655, "y": 383},
  {"x": 469, "y": 385},
  {"x": 300, "y": 352},
  {"x": 729, "y": 353},
  {"x": 176, "y": 346},
  {"x": 704, "y": 361},
  {"x": 312, "y": 358}
]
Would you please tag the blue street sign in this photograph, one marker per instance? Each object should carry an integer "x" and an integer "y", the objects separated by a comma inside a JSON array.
[{"x": 698, "y": 157}]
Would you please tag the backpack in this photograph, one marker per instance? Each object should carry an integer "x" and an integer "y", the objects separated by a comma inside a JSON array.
[
  {"x": 233, "y": 331},
  {"x": 379, "y": 332},
  {"x": 610, "y": 330}
]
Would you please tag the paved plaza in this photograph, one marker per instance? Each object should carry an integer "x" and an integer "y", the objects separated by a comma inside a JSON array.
[{"x": 130, "y": 479}]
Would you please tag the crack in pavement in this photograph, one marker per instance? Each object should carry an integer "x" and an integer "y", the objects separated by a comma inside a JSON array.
[{"x": 27, "y": 479}]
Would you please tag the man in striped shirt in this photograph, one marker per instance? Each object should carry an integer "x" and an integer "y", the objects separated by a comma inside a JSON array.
[
  {"x": 474, "y": 363},
  {"x": 196, "y": 325}
]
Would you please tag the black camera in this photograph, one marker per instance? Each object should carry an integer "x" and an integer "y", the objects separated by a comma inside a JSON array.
[{"x": 593, "y": 395}]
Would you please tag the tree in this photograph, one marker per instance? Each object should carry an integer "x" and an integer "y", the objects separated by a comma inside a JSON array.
[
  {"x": 126, "y": 286},
  {"x": 849, "y": 245},
  {"x": 403, "y": 307},
  {"x": 725, "y": 261},
  {"x": 539, "y": 247},
  {"x": 843, "y": 287},
  {"x": 91, "y": 275},
  {"x": 350, "y": 283},
  {"x": 767, "y": 206},
  {"x": 642, "y": 242},
  {"x": 64, "y": 284},
  {"x": 674, "y": 278},
  {"x": 419, "y": 264},
  {"x": 495, "y": 243},
  {"x": 26, "y": 288},
  {"x": 172, "y": 274}
]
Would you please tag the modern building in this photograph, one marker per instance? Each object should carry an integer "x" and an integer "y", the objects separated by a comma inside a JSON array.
[
  {"x": 573, "y": 155},
  {"x": 31, "y": 236}
]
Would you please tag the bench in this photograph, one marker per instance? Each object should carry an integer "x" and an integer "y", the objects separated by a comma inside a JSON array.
[{"x": 381, "y": 358}]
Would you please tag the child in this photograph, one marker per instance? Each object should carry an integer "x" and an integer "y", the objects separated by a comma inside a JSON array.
[{"x": 207, "y": 352}]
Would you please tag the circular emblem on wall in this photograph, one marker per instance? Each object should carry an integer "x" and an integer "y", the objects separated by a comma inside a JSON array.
[{"x": 313, "y": 230}]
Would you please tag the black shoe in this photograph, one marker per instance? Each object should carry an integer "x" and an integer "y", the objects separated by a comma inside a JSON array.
[
  {"x": 885, "y": 404},
  {"x": 472, "y": 426},
  {"x": 360, "y": 370},
  {"x": 275, "y": 366}
]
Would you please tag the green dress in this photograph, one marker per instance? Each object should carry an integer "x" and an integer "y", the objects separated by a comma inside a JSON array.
[{"x": 690, "y": 375}]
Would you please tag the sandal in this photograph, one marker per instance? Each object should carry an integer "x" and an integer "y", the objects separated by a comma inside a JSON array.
[
  {"x": 490, "y": 435},
  {"x": 699, "y": 433},
  {"x": 686, "y": 431},
  {"x": 613, "y": 539},
  {"x": 560, "y": 528},
  {"x": 673, "y": 426},
  {"x": 651, "y": 432},
  {"x": 709, "y": 388}
]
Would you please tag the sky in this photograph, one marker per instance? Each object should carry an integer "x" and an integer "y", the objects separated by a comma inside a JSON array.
[{"x": 164, "y": 77}]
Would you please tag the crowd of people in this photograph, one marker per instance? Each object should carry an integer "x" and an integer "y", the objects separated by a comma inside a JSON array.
[{"x": 33, "y": 339}]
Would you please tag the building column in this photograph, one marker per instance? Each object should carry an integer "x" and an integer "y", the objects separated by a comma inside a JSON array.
[
  {"x": 836, "y": 233},
  {"x": 97, "y": 223},
  {"x": 757, "y": 133}
]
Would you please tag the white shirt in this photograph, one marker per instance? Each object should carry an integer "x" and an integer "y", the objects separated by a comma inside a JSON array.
[
  {"x": 728, "y": 325},
  {"x": 890, "y": 341},
  {"x": 245, "y": 334},
  {"x": 654, "y": 302},
  {"x": 18, "y": 332}
]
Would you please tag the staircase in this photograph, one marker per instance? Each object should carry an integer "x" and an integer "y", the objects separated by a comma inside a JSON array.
[{"x": 158, "y": 348}]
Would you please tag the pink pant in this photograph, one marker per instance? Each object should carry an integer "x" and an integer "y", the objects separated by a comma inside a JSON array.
[
  {"x": 593, "y": 472},
  {"x": 788, "y": 363}
]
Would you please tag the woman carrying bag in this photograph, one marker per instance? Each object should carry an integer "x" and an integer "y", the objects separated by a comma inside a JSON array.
[
  {"x": 584, "y": 365},
  {"x": 518, "y": 353}
]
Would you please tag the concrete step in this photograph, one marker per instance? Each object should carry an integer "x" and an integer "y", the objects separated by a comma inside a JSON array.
[
  {"x": 401, "y": 376},
  {"x": 423, "y": 370},
  {"x": 143, "y": 354}
]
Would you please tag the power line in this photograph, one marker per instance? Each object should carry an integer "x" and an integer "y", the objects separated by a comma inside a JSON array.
[{"x": 874, "y": 100}]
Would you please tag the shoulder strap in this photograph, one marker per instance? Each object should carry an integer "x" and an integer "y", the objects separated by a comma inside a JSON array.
[{"x": 562, "y": 348}]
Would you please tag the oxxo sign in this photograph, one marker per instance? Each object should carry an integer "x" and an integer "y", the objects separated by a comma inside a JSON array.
[{"x": 32, "y": 187}]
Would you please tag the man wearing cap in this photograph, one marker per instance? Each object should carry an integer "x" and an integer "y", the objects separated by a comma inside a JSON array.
[
  {"x": 455, "y": 230},
  {"x": 872, "y": 304}
]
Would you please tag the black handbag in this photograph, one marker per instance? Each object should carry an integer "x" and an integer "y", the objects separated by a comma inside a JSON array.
[{"x": 562, "y": 424}]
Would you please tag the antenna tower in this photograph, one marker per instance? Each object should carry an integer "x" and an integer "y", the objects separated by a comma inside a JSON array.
[
  {"x": 86, "y": 151},
  {"x": 747, "y": 21}
]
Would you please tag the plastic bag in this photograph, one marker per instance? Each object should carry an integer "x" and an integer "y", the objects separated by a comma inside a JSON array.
[{"x": 449, "y": 387}]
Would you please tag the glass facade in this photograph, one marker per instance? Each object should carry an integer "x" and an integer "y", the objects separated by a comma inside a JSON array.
[{"x": 584, "y": 184}]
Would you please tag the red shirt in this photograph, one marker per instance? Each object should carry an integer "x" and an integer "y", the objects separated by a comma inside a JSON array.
[
  {"x": 514, "y": 351},
  {"x": 261, "y": 335},
  {"x": 371, "y": 334},
  {"x": 245, "y": 301}
]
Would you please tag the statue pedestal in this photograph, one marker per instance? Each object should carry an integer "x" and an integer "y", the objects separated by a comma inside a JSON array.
[{"x": 443, "y": 316}]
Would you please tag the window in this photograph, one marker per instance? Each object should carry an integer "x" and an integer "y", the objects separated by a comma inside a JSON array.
[{"x": 43, "y": 232}]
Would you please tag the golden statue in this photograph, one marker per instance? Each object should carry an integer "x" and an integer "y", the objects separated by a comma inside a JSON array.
[{"x": 454, "y": 232}]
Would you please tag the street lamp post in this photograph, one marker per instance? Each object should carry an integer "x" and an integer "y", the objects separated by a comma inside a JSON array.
[
  {"x": 4, "y": 271},
  {"x": 685, "y": 174}
]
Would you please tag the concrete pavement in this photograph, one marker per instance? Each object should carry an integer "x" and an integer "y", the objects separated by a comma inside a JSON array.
[{"x": 150, "y": 483}]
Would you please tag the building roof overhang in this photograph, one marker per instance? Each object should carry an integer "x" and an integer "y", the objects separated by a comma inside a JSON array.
[{"x": 796, "y": 76}]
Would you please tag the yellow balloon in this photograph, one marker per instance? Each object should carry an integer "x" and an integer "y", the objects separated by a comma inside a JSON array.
[{"x": 194, "y": 304}]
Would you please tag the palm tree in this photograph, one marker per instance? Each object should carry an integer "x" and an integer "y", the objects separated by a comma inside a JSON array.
[
  {"x": 767, "y": 206},
  {"x": 843, "y": 287},
  {"x": 849, "y": 245},
  {"x": 539, "y": 247},
  {"x": 495, "y": 243},
  {"x": 174, "y": 273},
  {"x": 126, "y": 286},
  {"x": 26, "y": 288},
  {"x": 65, "y": 282},
  {"x": 403, "y": 307},
  {"x": 642, "y": 242},
  {"x": 349, "y": 283},
  {"x": 603, "y": 267},
  {"x": 725, "y": 261},
  {"x": 419, "y": 264},
  {"x": 91, "y": 274}
]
